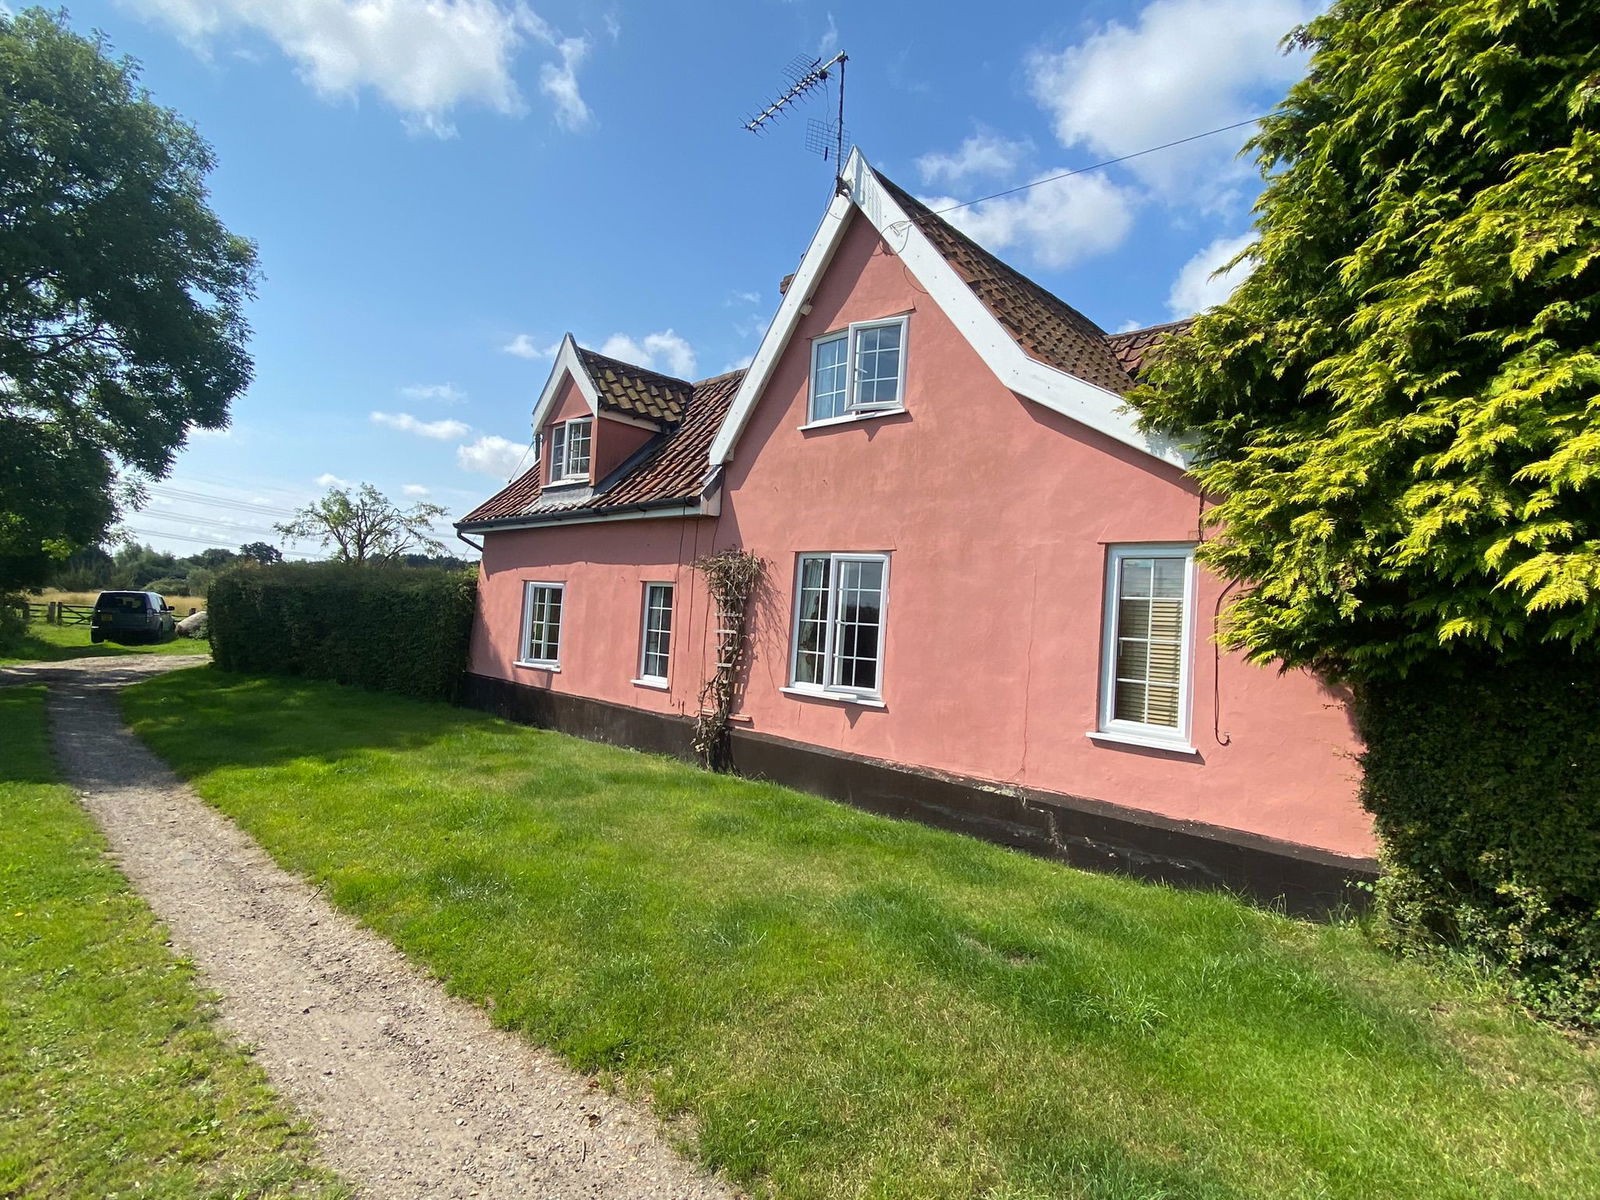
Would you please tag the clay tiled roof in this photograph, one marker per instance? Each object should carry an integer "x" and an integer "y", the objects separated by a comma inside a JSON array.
[
  {"x": 1138, "y": 348},
  {"x": 671, "y": 469},
  {"x": 635, "y": 391},
  {"x": 1047, "y": 328}
]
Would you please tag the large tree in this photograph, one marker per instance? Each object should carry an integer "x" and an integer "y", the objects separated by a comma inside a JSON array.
[
  {"x": 121, "y": 293},
  {"x": 1399, "y": 410},
  {"x": 365, "y": 527}
]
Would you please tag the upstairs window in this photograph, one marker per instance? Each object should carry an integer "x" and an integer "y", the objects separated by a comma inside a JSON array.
[
  {"x": 1145, "y": 690},
  {"x": 838, "y": 633},
  {"x": 859, "y": 371},
  {"x": 656, "y": 648},
  {"x": 569, "y": 450},
  {"x": 541, "y": 625}
]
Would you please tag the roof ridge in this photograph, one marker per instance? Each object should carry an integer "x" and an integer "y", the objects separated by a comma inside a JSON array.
[
  {"x": 990, "y": 277},
  {"x": 710, "y": 379},
  {"x": 626, "y": 365},
  {"x": 994, "y": 258},
  {"x": 1157, "y": 328}
]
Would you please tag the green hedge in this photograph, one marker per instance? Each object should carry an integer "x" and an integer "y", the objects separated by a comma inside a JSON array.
[
  {"x": 394, "y": 629},
  {"x": 1484, "y": 780}
]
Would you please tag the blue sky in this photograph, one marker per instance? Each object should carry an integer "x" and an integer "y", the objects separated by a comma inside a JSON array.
[{"x": 440, "y": 188}]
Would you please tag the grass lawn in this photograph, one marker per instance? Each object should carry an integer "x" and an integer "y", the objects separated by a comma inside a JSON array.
[
  {"x": 113, "y": 1079},
  {"x": 846, "y": 1006},
  {"x": 53, "y": 643}
]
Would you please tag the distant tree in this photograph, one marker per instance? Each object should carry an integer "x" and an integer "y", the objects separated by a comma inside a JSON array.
[
  {"x": 1400, "y": 407},
  {"x": 211, "y": 559},
  {"x": 442, "y": 562},
  {"x": 121, "y": 293},
  {"x": 136, "y": 565},
  {"x": 264, "y": 553},
  {"x": 365, "y": 527}
]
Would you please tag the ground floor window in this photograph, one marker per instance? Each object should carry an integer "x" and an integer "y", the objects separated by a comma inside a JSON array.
[
  {"x": 1145, "y": 685},
  {"x": 541, "y": 624},
  {"x": 838, "y": 629},
  {"x": 656, "y": 643}
]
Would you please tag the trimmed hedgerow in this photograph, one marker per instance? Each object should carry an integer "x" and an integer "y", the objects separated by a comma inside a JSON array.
[
  {"x": 1484, "y": 780},
  {"x": 392, "y": 629}
]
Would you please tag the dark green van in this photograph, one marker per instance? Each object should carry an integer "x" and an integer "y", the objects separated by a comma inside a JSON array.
[{"x": 132, "y": 617}]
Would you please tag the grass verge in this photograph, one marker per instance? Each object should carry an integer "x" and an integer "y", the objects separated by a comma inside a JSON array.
[
  {"x": 113, "y": 1078},
  {"x": 54, "y": 643},
  {"x": 846, "y": 1006}
]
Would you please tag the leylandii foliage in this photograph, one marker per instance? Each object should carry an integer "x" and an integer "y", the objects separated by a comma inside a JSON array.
[{"x": 1400, "y": 408}]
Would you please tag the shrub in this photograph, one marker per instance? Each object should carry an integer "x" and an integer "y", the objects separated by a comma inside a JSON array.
[
  {"x": 390, "y": 629},
  {"x": 169, "y": 586},
  {"x": 1484, "y": 780}
]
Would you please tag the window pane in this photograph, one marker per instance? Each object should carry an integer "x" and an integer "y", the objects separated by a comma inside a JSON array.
[
  {"x": 812, "y": 633},
  {"x": 657, "y": 630},
  {"x": 828, "y": 379},
  {"x": 558, "y": 451},
  {"x": 1147, "y": 672},
  {"x": 544, "y": 624},
  {"x": 578, "y": 447},
  {"x": 878, "y": 366}
]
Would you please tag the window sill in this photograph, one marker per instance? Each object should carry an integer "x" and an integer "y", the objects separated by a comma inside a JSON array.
[
  {"x": 660, "y": 685},
  {"x": 836, "y": 697},
  {"x": 529, "y": 665},
  {"x": 852, "y": 418},
  {"x": 573, "y": 481},
  {"x": 1148, "y": 741}
]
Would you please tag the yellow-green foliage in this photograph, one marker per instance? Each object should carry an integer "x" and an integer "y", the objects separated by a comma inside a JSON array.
[{"x": 1400, "y": 408}]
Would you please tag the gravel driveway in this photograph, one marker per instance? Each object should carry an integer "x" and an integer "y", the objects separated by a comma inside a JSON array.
[{"x": 412, "y": 1093}]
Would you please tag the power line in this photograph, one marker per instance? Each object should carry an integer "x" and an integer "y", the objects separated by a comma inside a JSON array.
[
  {"x": 172, "y": 493},
  {"x": 223, "y": 526},
  {"x": 1110, "y": 162}
]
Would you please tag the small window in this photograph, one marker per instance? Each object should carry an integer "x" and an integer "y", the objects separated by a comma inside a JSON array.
[
  {"x": 569, "y": 450},
  {"x": 656, "y": 644},
  {"x": 1145, "y": 687},
  {"x": 541, "y": 624},
  {"x": 861, "y": 370},
  {"x": 838, "y": 628}
]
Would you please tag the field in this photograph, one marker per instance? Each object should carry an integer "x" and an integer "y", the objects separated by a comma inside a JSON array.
[
  {"x": 831, "y": 1005},
  {"x": 113, "y": 1077},
  {"x": 54, "y": 643}
]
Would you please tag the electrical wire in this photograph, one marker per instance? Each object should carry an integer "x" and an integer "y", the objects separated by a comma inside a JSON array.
[{"x": 1110, "y": 162}]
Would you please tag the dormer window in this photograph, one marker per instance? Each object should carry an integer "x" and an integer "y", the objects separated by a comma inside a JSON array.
[
  {"x": 859, "y": 371},
  {"x": 569, "y": 450}
]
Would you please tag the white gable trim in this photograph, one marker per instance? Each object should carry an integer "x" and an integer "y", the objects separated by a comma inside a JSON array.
[
  {"x": 568, "y": 362},
  {"x": 1099, "y": 409}
]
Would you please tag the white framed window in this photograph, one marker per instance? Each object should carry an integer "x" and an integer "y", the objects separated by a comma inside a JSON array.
[
  {"x": 860, "y": 370},
  {"x": 1144, "y": 686},
  {"x": 655, "y": 642},
  {"x": 541, "y": 625},
  {"x": 569, "y": 450},
  {"x": 838, "y": 631}
]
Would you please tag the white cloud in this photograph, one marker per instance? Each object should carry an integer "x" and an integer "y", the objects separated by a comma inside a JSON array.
[
  {"x": 523, "y": 346},
  {"x": 745, "y": 298},
  {"x": 423, "y": 57},
  {"x": 416, "y": 490},
  {"x": 1184, "y": 66},
  {"x": 329, "y": 480},
  {"x": 443, "y": 431},
  {"x": 443, "y": 393},
  {"x": 491, "y": 455},
  {"x": 561, "y": 84},
  {"x": 984, "y": 154},
  {"x": 1056, "y": 224},
  {"x": 1199, "y": 286},
  {"x": 664, "y": 351},
  {"x": 829, "y": 44},
  {"x": 739, "y": 363}
]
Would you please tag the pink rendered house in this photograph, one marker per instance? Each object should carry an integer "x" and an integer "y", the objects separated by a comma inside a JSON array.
[{"x": 980, "y": 604}]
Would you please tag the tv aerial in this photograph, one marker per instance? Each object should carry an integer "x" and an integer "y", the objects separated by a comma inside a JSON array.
[{"x": 808, "y": 75}]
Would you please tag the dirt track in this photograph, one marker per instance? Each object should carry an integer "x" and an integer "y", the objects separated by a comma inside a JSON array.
[{"x": 412, "y": 1093}]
